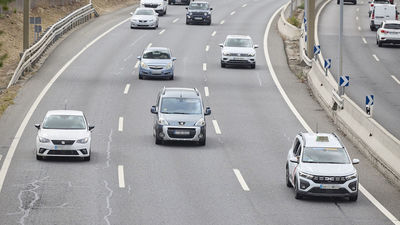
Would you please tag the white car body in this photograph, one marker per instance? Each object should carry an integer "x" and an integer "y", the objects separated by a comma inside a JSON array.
[
  {"x": 380, "y": 13},
  {"x": 389, "y": 32},
  {"x": 64, "y": 142},
  {"x": 238, "y": 55},
  {"x": 373, "y": 3},
  {"x": 142, "y": 21},
  {"x": 160, "y": 6},
  {"x": 310, "y": 176}
]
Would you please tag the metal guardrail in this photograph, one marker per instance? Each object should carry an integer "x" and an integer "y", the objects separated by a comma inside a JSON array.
[{"x": 51, "y": 35}]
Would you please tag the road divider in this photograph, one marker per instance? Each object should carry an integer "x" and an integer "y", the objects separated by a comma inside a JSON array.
[
  {"x": 126, "y": 90},
  {"x": 121, "y": 124},
  {"x": 241, "y": 180},
  {"x": 121, "y": 176},
  {"x": 216, "y": 127}
]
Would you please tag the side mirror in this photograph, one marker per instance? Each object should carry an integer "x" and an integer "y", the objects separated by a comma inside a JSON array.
[
  {"x": 208, "y": 111},
  {"x": 221, "y": 45},
  {"x": 131, "y": 13},
  {"x": 37, "y": 126},
  {"x": 153, "y": 109},
  {"x": 91, "y": 128},
  {"x": 173, "y": 58},
  {"x": 356, "y": 161},
  {"x": 294, "y": 160},
  {"x": 187, "y": 8},
  {"x": 255, "y": 46},
  {"x": 211, "y": 8},
  {"x": 139, "y": 57}
]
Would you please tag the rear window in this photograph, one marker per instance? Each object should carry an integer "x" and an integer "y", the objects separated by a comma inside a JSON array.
[{"x": 392, "y": 26}]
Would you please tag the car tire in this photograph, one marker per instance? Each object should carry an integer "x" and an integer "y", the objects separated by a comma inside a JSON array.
[
  {"x": 87, "y": 158},
  {"x": 353, "y": 198},
  {"x": 288, "y": 184},
  {"x": 202, "y": 141},
  {"x": 159, "y": 141},
  {"x": 253, "y": 66},
  {"x": 187, "y": 22},
  {"x": 38, "y": 157},
  {"x": 209, "y": 23},
  {"x": 297, "y": 195},
  {"x": 223, "y": 65},
  {"x": 372, "y": 28},
  {"x": 380, "y": 44},
  {"x": 171, "y": 77},
  {"x": 338, "y": 2},
  {"x": 140, "y": 77},
  {"x": 355, "y": 2}
]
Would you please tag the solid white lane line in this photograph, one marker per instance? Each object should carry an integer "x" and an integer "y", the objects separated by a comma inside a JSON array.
[
  {"x": 375, "y": 202},
  {"x": 233, "y": 13},
  {"x": 137, "y": 64},
  {"x": 356, "y": 17},
  {"x": 121, "y": 124},
  {"x": 244, "y": 5},
  {"x": 162, "y": 31},
  {"x": 394, "y": 78},
  {"x": 149, "y": 45},
  {"x": 175, "y": 20},
  {"x": 121, "y": 177},
  {"x": 241, "y": 180},
  {"x": 204, "y": 66},
  {"x": 359, "y": 28},
  {"x": 216, "y": 127},
  {"x": 207, "y": 48},
  {"x": 364, "y": 40},
  {"x": 375, "y": 57},
  {"x": 214, "y": 33},
  {"x": 206, "y": 92},
  {"x": 222, "y": 22},
  {"x": 15, "y": 142},
  {"x": 127, "y": 88}
]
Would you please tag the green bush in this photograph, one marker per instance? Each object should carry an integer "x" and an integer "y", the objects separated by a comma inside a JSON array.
[
  {"x": 294, "y": 21},
  {"x": 301, "y": 6},
  {"x": 2, "y": 58}
]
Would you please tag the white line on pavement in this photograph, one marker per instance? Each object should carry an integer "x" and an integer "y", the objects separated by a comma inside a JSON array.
[
  {"x": 371, "y": 198},
  {"x": 162, "y": 31},
  {"x": 364, "y": 40},
  {"x": 204, "y": 66},
  {"x": 214, "y": 33},
  {"x": 216, "y": 127},
  {"x": 206, "y": 92},
  {"x": 121, "y": 177},
  {"x": 376, "y": 57},
  {"x": 149, "y": 45},
  {"x": 207, "y": 48},
  {"x": 175, "y": 20},
  {"x": 15, "y": 142},
  {"x": 222, "y": 22},
  {"x": 356, "y": 17},
  {"x": 359, "y": 28},
  {"x": 121, "y": 124},
  {"x": 358, "y": 9},
  {"x": 244, "y": 5},
  {"x": 241, "y": 180},
  {"x": 137, "y": 64},
  {"x": 127, "y": 88},
  {"x": 233, "y": 13},
  {"x": 394, "y": 78}
]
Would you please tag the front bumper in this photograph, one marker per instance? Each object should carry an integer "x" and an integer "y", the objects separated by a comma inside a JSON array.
[
  {"x": 156, "y": 72},
  {"x": 74, "y": 150},
  {"x": 239, "y": 60},
  {"x": 138, "y": 24},
  {"x": 310, "y": 188},
  {"x": 179, "y": 133},
  {"x": 198, "y": 18}
]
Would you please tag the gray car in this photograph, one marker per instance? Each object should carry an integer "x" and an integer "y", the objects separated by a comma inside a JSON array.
[
  {"x": 179, "y": 116},
  {"x": 144, "y": 18},
  {"x": 156, "y": 62}
]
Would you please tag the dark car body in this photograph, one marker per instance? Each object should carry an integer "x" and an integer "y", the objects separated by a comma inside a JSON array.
[
  {"x": 198, "y": 12},
  {"x": 184, "y": 2}
]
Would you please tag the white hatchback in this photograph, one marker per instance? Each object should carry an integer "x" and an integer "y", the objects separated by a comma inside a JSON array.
[
  {"x": 63, "y": 133},
  {"x": 388, "y": 33}
]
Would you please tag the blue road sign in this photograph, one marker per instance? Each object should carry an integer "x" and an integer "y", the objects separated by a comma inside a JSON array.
[
  {"x": 38, "y": 20},
  {"x": 305, "y": 38},
  {"x": 317, "y": 49},
  {"x": 328, "y": 63},
  {"x": 305, "y": 19},
  {"x": 38, "y": 28},
  {"x": 369, "y": 100},
  {"x": 344, "y": 81}
]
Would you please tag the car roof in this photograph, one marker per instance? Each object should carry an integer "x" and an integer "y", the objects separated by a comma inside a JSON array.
[
  {"x": 181, "y": 92},
  {"x": 238, "y": 36},
  {"x": 157, "y": 48},
  {"x": 323, "y": 140},
  {"x": 64, "y": 112}
]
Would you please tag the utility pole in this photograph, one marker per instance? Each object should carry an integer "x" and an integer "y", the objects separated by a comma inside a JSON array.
[
  {"x": 340, "y": 92},
  {"x": 310, "y": 28},
  {"x": 26, "y": 25}
]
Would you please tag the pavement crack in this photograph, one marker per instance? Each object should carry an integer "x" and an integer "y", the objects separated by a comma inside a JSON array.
[
  {"x": 110, "y": 193},
  {"x": 108, "y": 150}
]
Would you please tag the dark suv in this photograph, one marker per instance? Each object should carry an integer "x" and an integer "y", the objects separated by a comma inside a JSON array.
[
  {"x": 352, "y": 1},
  {"x": 179, "y": 116},
  {"x": 198, "y": 12}
]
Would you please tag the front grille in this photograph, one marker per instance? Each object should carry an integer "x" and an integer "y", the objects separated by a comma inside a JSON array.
[
  {"x": 150, "y": 5},
  {"x": 197, "y": 13},
  {"x": 156, "y": 67},
  {"x": 63, "y": 142},
  {"x": 329, "y": 180},
  {"x": 174, "y": 132},
  {"x": 318, "y": 190},
  {"x": 235, "y": 61},
  {"x": 62, "y": 152}
]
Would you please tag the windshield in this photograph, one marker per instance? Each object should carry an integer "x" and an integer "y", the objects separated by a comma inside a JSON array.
[
  {"x": 144, "y": 12},
  {"x": 394, "y": 26},
  {"x": 325, "y": 155},
  {"x": 198, "y": 6},
  {"x": 64, "y": 122},
  {"x": 156, "y": 54},
  {"x": 181, "y": 106},
  {"x": 238, "y": 42}
]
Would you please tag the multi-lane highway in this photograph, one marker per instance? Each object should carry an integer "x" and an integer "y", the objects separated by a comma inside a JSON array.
[
  {"x": 372, "y": 70},
  {"x": 237, "y": 178}
]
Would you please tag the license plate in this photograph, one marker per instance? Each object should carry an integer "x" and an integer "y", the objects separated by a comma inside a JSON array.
[
  {"x": 59, "y": 147},
  {"x": 198, "y": 18},
  {"x": 156, "y": 72},
  {"x": 177, "y": 1},
  {"x": 328, "y": 186},
  {"x": 182, "y": 132},
  {"x": 238, "y": 58}
]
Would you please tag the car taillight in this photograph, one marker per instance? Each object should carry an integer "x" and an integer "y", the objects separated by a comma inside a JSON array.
[
  {"x": 373, "y": 15},
  {"x": 372, "y": 5},
  {"x": 384, "y": 31}
]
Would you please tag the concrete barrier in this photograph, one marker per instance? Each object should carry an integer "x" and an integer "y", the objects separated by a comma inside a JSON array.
[{"x": 287, "y": 30}]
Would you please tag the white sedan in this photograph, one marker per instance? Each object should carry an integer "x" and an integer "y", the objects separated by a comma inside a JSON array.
[
  {"x": 63, "y": 133},
  {"x": 388, "y": 33},
  {"x": 238, "y": 50},
  {"x": 144, "y": 18}
]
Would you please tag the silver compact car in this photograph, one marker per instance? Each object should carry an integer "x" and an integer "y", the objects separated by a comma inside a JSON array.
[
  {"x": 144, "y": 18},
  {"x": 156, "y": 62},
  {"x": 179, "y": 116},
  {"x": 318, "y": 165},
  {"x": 238, "y": 50},
  {"x": 63, "y": 133}
]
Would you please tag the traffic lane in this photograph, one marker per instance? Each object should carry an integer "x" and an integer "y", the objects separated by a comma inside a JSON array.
[{"x": 368, "y": 76}]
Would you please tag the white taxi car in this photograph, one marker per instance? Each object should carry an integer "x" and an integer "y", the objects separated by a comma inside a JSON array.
[
  {"x": 388, "y": 33},
  {"x": 318, "y": 165}
]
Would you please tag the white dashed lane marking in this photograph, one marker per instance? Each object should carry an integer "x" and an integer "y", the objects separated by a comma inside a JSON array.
[
  {"x": 364, "y": 40},
  {"x": 162, "y": 31},
  {"x": 121, "y": 124},
  {"x": 241, "y": 180},
  {"x": 356, "y": 17},
  {"x": 359, "y": 28},
  {"x": 121, "y": 177},
  {"x": 126, "y": 90},
  {"x": 244, "y": 5},
  {"x": 206, "y": 92},
  {"x": 375, "y": 57},
  {"x": 233, "y": 13},
  {"x": 149, "y": 45},
  {"x": 214, "y": 33},
  {"x": 207, "y": 48},
  {"x": 222, "y": 22},
  {"x": 204, "y": 66},
  {"x": 216, "y": 127},
  {"x": 393, "y": 76},
  {"x": 175, "y": 20}
]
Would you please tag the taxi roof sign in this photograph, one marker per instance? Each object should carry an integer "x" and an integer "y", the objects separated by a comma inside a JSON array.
[{"x": 322, "y": 139}]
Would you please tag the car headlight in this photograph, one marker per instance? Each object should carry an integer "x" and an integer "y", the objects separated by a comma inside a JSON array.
[
  {"x": 226, "y": 54},
  {"x": 83, "y": 140},
  {"x": 206, "y": 14},
  {"x": 251, "y": 54},
  {"x": 44, "y": 140},
  {"x": 162, "y": 121},
  {"x": 190, "y": 13},
  {"x": 144, "y": 65},
  {"x": 306, "y": 175},
  {"x": 169, "y": 66},
  {"x": 201, "y": 122},
  {"x": 351, "y": 176}
]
